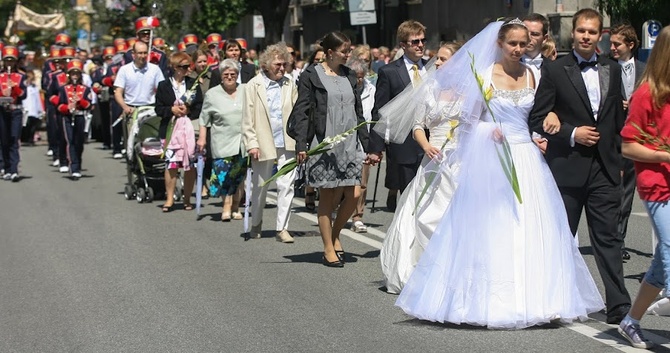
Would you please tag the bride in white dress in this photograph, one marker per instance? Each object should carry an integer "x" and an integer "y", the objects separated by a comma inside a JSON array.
[
  {"x": 493, "y": 261},
  {"x": 413, "y": 223}
]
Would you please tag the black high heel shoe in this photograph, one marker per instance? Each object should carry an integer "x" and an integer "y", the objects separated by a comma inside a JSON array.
[
  {"x": 340, "y": 255},
  {"x": 337, "y": 263}
]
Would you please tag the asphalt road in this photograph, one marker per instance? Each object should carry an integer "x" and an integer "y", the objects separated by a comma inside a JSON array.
[{"x": 84, "y": 270}]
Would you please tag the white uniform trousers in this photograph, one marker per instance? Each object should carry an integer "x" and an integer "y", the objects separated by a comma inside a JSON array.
[{"x": 262, "y": 170}]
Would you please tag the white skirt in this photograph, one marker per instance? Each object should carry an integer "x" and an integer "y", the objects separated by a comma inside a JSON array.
[{"x": 497, "y": 263}]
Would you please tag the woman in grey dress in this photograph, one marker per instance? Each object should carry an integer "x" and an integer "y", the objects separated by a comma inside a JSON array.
[{"x": 327, "y": 105}]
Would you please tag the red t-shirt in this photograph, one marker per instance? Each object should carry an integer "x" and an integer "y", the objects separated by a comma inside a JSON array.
[{"x": 653, "y": 179}]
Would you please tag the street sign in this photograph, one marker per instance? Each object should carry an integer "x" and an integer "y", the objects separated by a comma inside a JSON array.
[
  {"x": 362, "y": 12},
  {"x": 259, "y": 27},
  {"x": 360, "y": 18},
  {"x": 650, "y": 31},
  {"x": 361, "y": 5}
]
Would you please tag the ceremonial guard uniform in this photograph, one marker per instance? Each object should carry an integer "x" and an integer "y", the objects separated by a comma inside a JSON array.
[
  {"x": 13, "y": 88},
  {"x": 214, "y": 43},
  {"x": 51, "y": 66},
  {"x": 58, "y": 79},
  {"x": 104, "y": 95},
  {"x": 143, "y": 28},
  {"x": 115, "y": 111},
  {"x": 74, "y": 100},
  {"x": 191, "y": 41}
]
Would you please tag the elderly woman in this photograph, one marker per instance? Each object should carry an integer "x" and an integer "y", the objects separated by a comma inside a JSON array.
[
  {"x": 269, "y": 100},
  {"x": 178, "y": 101},
  {"x": 222, "y": 114},
  {"x": 327, "y": 105}
]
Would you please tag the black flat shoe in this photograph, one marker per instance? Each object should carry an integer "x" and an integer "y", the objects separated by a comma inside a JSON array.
[
  {"x": 625, "y": 255},
  {"x": 337, "y": 263},
  {"x": 340, "y": 255},
  {"x": 167, "y": 209}
]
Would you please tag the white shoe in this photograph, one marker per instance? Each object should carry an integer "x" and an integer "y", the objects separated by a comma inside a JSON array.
[
  {"x": 284, "y": 237},
  {"x": 76, "y": 175},
  {"x": 123, "y": 151},
  {"x": 15, "y": 177},
  {"x": 64, "y": 169},
  {"x": 359, "y": 227},
  {"x": 7, "y": 176},
  {"x": 50, "y": 153},
  {"x": 255, "y": 232},
  {"x": 55, "y": 163},
  {"x": 117, "y": 156}
]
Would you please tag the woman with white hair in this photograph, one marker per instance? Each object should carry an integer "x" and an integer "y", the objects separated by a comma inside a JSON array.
[
  {"x": 222, "y": 113},
  {"x": 270, "y": 96}
]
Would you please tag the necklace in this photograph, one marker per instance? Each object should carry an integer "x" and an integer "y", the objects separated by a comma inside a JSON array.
[{"x": 328, "y": 69}]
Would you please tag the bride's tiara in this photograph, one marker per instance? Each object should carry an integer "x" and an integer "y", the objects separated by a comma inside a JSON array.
[{"x": 515, "y": 21}]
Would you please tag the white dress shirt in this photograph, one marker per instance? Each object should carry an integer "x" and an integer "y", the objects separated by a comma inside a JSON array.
[
  {"x": 409, "y": 65},
  {"x": 592, "y": 82},
  {"x": 535, "y": 66},
  {"x": 273, "y": 93}
]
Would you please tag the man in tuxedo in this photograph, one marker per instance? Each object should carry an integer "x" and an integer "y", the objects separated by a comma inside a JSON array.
[
  {"x": 403, "y": 159},
  {"x": 538, "y": 27},
  {"x": 584, "y": 90},
  {"x": 624, "y": 41}
]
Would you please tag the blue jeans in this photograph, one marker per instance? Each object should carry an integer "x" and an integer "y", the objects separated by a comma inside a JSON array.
[{"x": 659, "y": 271}]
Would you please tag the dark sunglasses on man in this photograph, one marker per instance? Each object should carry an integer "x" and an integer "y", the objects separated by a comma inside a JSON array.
[{"x": 416, "y": 42}]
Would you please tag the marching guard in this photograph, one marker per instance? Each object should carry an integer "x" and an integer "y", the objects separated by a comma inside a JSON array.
[
  {"x": 13, "y": 87},
  {"x": 115, "y": 110},
  {"x": 144, "y": 27},
  {"x": 74, "y": 100},
  {"x": 57, "y": 79}
]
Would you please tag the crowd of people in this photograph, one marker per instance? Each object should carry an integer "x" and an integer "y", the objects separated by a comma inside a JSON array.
[{"x": 492, "y": 151}]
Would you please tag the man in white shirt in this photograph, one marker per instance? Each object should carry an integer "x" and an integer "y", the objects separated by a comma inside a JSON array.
[
  {"x": 538, "y": 27},
  {"x": 136, "y": 82},
  {"x": 624, "y": 41}
]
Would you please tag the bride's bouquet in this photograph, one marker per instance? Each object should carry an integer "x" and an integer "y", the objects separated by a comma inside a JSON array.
[{"x": 504, "y": 153}]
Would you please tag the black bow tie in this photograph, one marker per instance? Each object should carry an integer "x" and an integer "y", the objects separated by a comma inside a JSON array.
[{"x": 584, "y": 64}]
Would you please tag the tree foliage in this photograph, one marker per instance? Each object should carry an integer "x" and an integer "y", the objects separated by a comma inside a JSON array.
[{"x": 636, "y": 12}]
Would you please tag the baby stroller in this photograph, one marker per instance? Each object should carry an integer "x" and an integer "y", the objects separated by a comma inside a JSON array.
[{"x": 145, "y": 163}]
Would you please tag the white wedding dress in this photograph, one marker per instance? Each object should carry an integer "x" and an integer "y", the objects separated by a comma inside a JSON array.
[
  {"x": 412, "y": 226},
  {"x": 493, "y": 261}
]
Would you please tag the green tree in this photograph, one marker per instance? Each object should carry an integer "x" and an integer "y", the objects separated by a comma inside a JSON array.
[
  {"x": 636, "y": 12},
  {"x": 219, "y": 15}
]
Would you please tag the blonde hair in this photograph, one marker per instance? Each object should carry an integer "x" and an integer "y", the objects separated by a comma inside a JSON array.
[
  {"x": 409, "y": 28},
  {"x": 362, "y": 50},
  {"x": 549, "y": 47},
  {"x": 657, "y": 72}
]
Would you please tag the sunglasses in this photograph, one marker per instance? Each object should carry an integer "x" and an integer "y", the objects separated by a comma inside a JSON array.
[
  {"x": 228, "y": 75},
  {"x": 184, "y": 67},
  {"x": 417, "y": 41}
]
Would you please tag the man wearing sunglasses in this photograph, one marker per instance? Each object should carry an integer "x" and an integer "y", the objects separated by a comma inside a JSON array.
[{"x": 402, "y": 159}]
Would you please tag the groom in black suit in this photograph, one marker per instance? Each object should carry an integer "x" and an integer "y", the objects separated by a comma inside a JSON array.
[
  {"x": 403, "y": 159},
  {"x": 584, "y": 90}
]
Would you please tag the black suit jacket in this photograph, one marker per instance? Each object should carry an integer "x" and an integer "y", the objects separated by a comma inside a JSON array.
[
  {"x": 391, "y": 80},
  {"x": 247, "y": 72},
  {"x": 563, "y": 91},
  {"x": 165, "y": 99}
]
